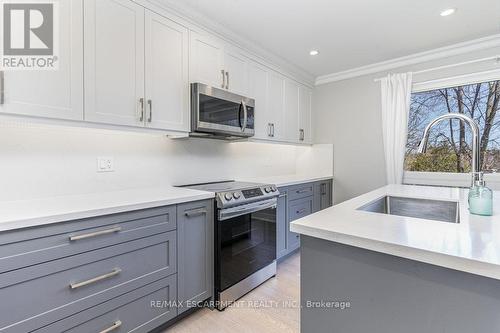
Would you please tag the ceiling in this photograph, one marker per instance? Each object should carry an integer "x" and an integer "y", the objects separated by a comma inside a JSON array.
[{"x": 350, "y": 33}]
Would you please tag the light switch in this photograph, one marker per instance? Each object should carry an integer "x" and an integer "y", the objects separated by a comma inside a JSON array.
[{"x": 105, "y": 164}]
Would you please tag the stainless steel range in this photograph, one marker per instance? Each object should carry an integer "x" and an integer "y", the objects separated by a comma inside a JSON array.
[{"x": 245, "y": 237}]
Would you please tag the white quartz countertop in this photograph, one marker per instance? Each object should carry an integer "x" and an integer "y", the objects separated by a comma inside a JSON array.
[
  {"x": 28, "y": 213},
  {"x": 287, "y": 180},
  {"x": 472, "y": 246}
]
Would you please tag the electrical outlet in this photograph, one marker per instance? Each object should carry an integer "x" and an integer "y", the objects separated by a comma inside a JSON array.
[{"x": 105, "y": 164}]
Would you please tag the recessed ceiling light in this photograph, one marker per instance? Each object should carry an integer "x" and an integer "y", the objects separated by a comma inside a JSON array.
[
  {"x": 314, "y": 52},
  {"x": 448, "y": 12}
]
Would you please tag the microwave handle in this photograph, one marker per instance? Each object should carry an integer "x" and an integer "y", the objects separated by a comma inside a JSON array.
[{"x": 245, "y": 115}]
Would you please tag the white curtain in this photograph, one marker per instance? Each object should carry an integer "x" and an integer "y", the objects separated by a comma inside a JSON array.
[{"x": 396, "y": 94}]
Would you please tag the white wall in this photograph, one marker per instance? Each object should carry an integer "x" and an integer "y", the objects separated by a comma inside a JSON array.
[
  {"x": 38, "y": 160},
  {"x": 348, "y": 114}
]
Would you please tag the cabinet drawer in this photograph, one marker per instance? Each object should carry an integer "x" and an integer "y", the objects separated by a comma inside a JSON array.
[
  {"x": 300, "y": 208},
  {"x": 139, "y": 311},
  {"x": 296, "y": 210},
  {"x": 27, "y": 247},
  {"x": 44, "y": 293},
  {"x": 300, "y": 191}
]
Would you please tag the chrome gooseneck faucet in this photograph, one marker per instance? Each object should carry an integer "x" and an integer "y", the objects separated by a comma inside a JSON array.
[{"x": 477, "y": 174}]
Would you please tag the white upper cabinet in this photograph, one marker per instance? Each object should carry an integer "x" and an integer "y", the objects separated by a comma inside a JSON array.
[
  {"x": 275, "y": 105},
  {"x": 207, "y": 61},
  {"x": 167, "y": 81},
  {"x": 291, "y": 111},
  {"x": 53, "y": 94},
  {"x": 136, "y": 67},
  {"x": 236, "y": 70},
  {"x": 258, "y": 89},
  {"x": 114, "y": 62},
  {"x": 305, "y": 115},
  {"x": 218, "y": 64},
  {"x": 123, "y": 64}
]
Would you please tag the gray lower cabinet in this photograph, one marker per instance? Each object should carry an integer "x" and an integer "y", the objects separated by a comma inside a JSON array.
[
  {"x": 297, "y": 209},
  {"x": 295, "y": 202},
  {"x": 195, "y": 233},
  {"x": 323, "y": 195},
  {"x": 140, "y": 311},
  {"x": 121, "y": 272}
]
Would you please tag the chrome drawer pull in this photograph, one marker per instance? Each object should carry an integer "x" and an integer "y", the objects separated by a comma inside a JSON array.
[
  {"x": 300, "y": 211},
  {"x": 301, "y": 191},
  {"x": 95, "y": 234},
  {"x": 113, "y": 327},
  {"x": 195, "y": 212},
  {"x": 77, "y": 285}
]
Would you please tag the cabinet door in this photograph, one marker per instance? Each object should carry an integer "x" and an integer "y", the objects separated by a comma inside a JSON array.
[
  {"x": 258, "y": 89},
  {"x": 291, "y": 111},
  {"x": 281, "y": 224},
  {"x": 322, "y": 195},
  {"x": 167, "y": 81},
  {"x": 195, "y": 246},
  {"x": 114, "y": 61},
  {"x": 305, "y": 105},
  {"x": 53, "y": 94},
  {"x": 326, "y": 194},
  {"x": 275, "y": 106},
  {"x": 318, "y": 186},
  {"x": 206, "y": 62},
  {"x": 235, "y": 66}
]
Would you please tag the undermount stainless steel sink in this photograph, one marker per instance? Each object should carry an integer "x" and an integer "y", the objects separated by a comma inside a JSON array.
[{"x": 445, "y": 211}]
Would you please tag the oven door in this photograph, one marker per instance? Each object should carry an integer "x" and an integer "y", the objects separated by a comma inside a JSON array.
[
  {"x": 218, "y": 111},
  {"x": 245, "y": 242}
]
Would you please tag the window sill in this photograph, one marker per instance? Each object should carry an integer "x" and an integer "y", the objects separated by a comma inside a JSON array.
[{"x": 448, "y": 179}]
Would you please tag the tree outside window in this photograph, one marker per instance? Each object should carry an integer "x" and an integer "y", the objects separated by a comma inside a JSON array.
[{"x": 449, "y": 147}]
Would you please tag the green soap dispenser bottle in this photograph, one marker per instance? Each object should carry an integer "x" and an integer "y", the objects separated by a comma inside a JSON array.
[{"x": 480, "y": 198}]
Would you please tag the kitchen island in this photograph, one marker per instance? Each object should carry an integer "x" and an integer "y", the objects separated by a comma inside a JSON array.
[{"x": 363, "y": 271}]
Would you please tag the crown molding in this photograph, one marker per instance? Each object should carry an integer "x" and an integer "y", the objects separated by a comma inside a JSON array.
[
  {"x": 439, "y": 53},
  {"x": 201, "y": 21}
]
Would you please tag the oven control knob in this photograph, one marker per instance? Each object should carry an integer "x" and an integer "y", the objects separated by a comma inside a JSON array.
[
  {"x": 267, "y": 189},
  {"x": 273, "y": 189},
  {"x": 228, "y": 196},
  {"x": 236, "y": 195}
]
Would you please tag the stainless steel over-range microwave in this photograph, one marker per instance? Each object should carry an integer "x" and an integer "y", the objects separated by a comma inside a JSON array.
[{"x": 220, "y": 113}]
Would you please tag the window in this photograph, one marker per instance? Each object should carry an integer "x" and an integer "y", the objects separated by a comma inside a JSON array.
[{"x": 449, "y": 148}]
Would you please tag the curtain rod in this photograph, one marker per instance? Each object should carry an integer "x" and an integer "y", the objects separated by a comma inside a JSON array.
[{"x": 496, "y": 58}]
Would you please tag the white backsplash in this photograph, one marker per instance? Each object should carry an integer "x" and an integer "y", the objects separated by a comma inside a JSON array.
[{"x": 38, "y": 160}]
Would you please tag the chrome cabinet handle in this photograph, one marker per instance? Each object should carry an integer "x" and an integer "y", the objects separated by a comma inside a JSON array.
[
  {"x": 77, "y": 285},
  {"x": 269, "y": 134},
  {"x": 301, "y": 191},
  {"x": 141, "y": 109},
  {"x": 227, "y": 81},
  {"x": 223, "y": 78},
  {"x": 2, "y": 87},
  {"x": 301, "y": 135},
  {"x": 95, "y": 234},
  {"x": 113, "y": 327},
  {"x": 150, "y": 104},
  {"x": 323, "y": 189},
  {"x": 300, "y": 211},
  {"x": 245, "y": 115},
  {"x": 195, "y": 212},
  {"x": 272, "y": 130}
]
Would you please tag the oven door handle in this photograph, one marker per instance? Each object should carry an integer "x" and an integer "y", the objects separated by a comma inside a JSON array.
[
  {"x": 227, "y": 213},
  {"x": 245, "y": 116}
]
